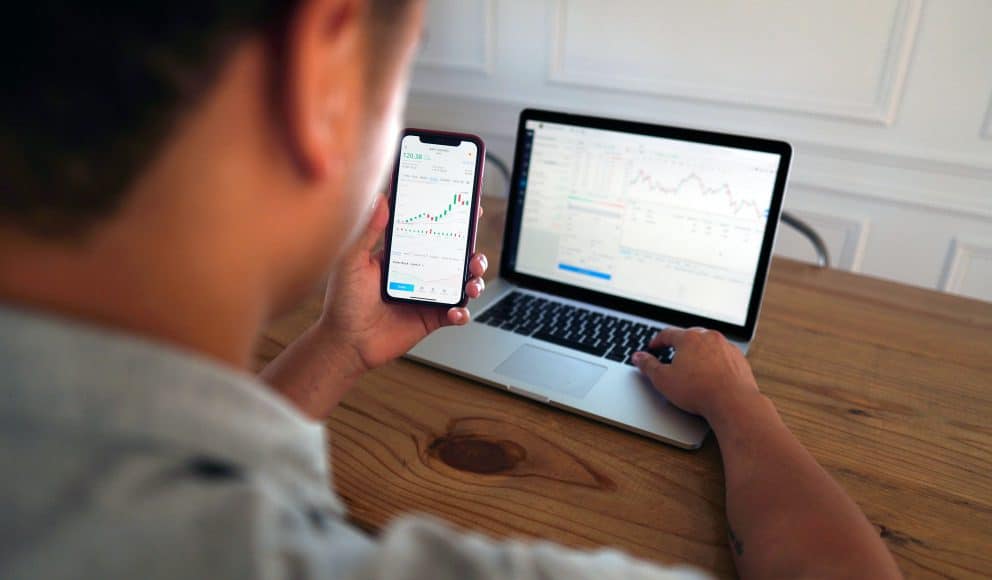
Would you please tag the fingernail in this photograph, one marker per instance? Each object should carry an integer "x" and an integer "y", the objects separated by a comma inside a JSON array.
[
  {"x": 459, "y": 315},
  {"x": 485, "y": 262},
  {"x": 637, "y": 357}
]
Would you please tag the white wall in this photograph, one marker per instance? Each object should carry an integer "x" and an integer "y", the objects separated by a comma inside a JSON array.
[{"x": 888, "y": 104}]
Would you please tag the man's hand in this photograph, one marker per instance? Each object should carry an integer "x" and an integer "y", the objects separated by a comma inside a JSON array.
[
  {"x": 786, "y": 517},
  {"x": 375, "y": 331},
  {"x": 357, "y": 330},
  {"x": 707, "y": 376}
]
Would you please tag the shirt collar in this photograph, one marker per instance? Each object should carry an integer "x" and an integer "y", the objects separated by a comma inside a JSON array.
[{"x": 57, "y": 373}]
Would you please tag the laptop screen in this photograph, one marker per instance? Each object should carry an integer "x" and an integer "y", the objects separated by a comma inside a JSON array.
[{"x": 677, "y": 224}]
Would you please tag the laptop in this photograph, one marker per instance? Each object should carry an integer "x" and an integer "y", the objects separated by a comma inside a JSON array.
[{"x": 614, "y": 230}]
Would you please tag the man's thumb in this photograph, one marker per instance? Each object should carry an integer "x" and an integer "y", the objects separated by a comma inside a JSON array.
[{"x": 377, "y": 223}]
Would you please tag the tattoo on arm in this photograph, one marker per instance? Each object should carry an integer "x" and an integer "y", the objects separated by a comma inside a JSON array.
[{"x": 735, "y": 543}]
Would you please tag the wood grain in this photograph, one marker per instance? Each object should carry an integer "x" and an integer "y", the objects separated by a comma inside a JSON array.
[{"x": 889, "y": 387}]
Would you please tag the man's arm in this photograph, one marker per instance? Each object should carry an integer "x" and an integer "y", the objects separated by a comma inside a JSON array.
[
  {"x": 357, "y": 330},
  {"x": 314, "y": 372},
  {"x": 787, "y": 516}
]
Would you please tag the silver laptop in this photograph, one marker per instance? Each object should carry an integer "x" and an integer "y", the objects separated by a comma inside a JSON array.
[{"x": 614, "y": 230}]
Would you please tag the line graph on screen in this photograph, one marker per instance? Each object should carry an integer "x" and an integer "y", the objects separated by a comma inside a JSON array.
[{"x": 692, "y": 191}]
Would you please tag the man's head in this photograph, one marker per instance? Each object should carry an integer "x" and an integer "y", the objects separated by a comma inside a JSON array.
[
  {"x": 216, "y": 124},
  {"x": 92, "y": 91}
]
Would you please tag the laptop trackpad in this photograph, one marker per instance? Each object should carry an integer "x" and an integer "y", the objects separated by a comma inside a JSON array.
[{"x": 550, "y": 370}]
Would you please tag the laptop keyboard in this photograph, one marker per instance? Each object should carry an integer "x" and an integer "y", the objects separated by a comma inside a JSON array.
[{"x": 572, "y": 327}]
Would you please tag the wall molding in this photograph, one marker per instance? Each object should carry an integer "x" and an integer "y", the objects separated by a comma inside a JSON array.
[
  {"x": 959, "y": 257},
  {"x": 882, "y": 110},
  {"x": 496, "y": 115},
  {"x": 855, "y": 231},
  {"x": 986, "y": 132},
  {"x": 484, "y": 67},
  {"x": 863, "y": 189},
  {"x": 848, "y": 254},
  {"x": 496, "y": 118},
  {"x": 913, "y": 159}
]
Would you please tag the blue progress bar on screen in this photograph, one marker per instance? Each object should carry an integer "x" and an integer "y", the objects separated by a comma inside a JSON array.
[
  {"x": 401, "y": 286},
  {"x": 577, "y": 270}
]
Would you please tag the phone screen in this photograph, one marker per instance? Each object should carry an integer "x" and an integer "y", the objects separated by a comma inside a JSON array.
[{"x": 431, "y": 218}]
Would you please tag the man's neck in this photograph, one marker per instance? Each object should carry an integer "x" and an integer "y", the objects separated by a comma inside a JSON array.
[{"x": 132, "y": 283}]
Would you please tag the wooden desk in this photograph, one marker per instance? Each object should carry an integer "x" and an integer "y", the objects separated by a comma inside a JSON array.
[{"x": 890, "y": 387}]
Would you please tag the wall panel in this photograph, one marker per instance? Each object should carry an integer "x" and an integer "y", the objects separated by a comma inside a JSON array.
[
  {"x": 969, "y": 268},
  {"x": 845, "y": 58},
  {"x": 458, "y": 36}
]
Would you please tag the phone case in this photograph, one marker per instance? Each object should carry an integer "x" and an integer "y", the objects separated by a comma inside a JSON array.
[{"x": 441, "y": 137}]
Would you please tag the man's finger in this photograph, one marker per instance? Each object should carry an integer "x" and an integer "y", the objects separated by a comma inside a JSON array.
[
  {"x": 377, "y": 223},
  {"x": 475, "y": 287},
  {"x": 478, "y": 265},
  {"x": 651, "y": 367},
  {"x": 458, "y": 316},
  {"x": 378, "y": 255},
  {"x": 671, "y": 336}
]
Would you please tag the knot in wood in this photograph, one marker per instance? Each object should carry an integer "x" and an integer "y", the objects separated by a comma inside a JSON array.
[{"x": 477, "y": 454}]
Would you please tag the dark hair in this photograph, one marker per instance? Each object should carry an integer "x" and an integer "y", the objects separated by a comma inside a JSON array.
[{"x": 92, "y": 88}]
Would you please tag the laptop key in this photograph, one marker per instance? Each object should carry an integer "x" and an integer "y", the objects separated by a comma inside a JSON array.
[
  {"x": 616, "y": 353},
  {"x": 572, "y": 344},
  {"x": 524, "y": 330},
  {"x": 664, "y": 354}
]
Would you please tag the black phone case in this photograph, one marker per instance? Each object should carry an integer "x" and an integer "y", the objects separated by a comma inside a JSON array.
[{"x": 440, "y": 136}]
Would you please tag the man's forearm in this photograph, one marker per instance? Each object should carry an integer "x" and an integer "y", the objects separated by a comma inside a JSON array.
[
  {"x": 787, "y": 516},
  {"x": 314, "y": 372}
]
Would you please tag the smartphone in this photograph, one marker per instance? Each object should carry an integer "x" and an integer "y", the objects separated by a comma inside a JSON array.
[{"x": 433, "y": 206}]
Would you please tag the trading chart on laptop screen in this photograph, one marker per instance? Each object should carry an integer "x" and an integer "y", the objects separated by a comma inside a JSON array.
[{"x": 672, "y": 223}]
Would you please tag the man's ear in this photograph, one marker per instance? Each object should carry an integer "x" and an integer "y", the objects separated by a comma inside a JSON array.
[{"x": 324, "y": 80}]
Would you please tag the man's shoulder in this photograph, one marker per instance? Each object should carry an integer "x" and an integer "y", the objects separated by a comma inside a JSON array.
[{"x": 87, "y": 506}]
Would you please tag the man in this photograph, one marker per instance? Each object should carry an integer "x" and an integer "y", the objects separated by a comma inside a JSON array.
[{"x": 173, "y": 176}]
